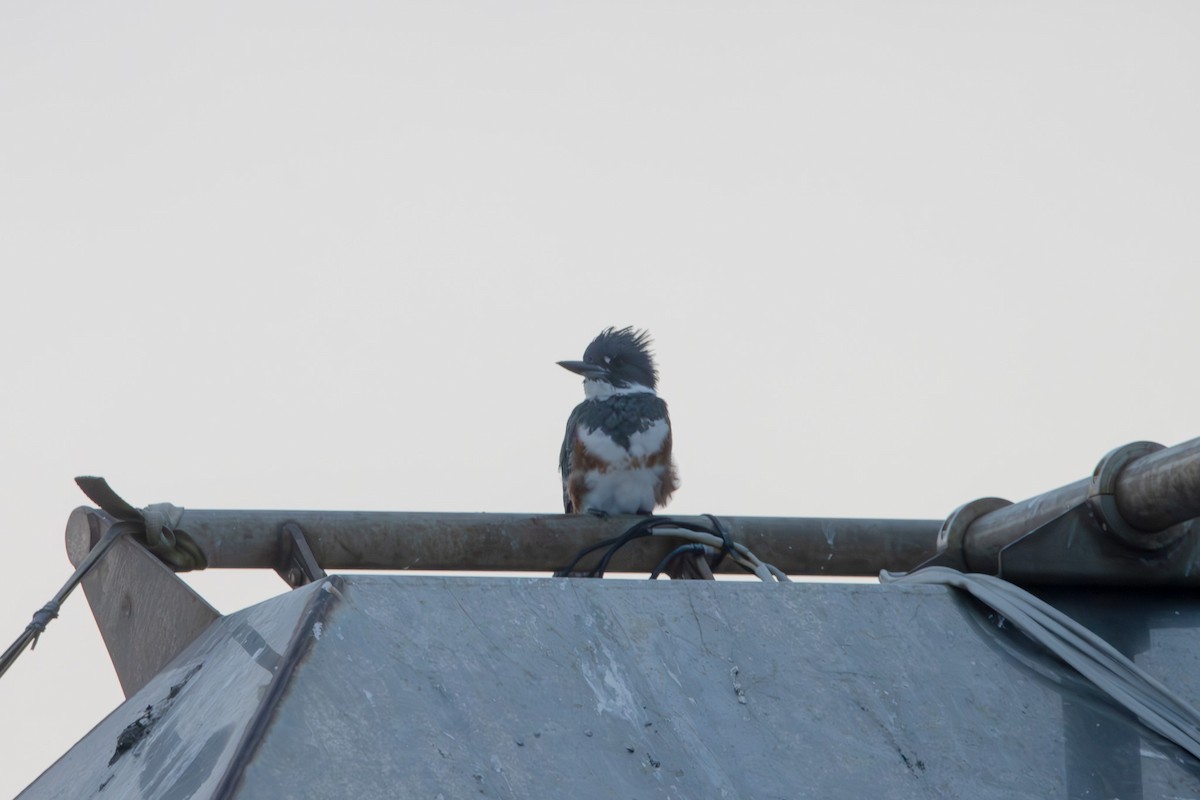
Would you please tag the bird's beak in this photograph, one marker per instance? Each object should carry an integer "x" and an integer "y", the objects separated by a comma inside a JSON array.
[{"x": 583, "y": 368}]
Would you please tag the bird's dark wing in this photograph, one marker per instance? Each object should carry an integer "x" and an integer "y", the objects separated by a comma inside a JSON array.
[{"x": 564, "y": 453}]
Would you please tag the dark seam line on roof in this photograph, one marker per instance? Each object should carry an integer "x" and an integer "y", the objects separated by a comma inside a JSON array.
[{"x": 297, "y": 650}]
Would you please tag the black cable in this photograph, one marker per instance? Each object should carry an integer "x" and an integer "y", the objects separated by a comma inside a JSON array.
[
  {"x": 639, "y": 530},
  {"x": 646, "y": 527},
  {"x": 42, "y": 617},
  {"x": 726, "y": 542},
  {"x": 566, "y": 571},
  {"x": 690, "y": 547}
]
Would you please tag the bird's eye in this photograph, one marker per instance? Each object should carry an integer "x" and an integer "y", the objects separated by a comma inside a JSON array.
[{"x": 608, "y": 359}]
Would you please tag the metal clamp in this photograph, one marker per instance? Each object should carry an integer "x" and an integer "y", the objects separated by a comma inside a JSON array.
[
  {"x": 1102, "y": 499},
  {"x": 951, "y": 539},
  {"x": 297, "y": 564}
]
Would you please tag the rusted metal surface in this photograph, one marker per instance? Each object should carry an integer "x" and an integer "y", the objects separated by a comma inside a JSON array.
[
  {"x": 1161, "y": 489},
  {"x": 342, "y": 540},
  {"x": 1141, "y": 500},
  {"x": 992, "y": 532}
]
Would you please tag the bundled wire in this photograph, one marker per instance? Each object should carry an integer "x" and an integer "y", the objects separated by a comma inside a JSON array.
[
  {"x": 674, "y": 555},
  {"x": 699, "y": 538},
  {"x": 1158, "y": 708},
  {"x": 41, "y": 617}
]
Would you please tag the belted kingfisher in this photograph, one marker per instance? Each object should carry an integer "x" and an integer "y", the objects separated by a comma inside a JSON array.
[{"x": 616, "y": 455}]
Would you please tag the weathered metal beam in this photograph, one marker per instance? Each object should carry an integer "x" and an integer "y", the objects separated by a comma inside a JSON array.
[
  {"x": 1139, "y": 496},
  {"x": 1161, "y": 489},
  {"x": 342, "y": 540},
  {"x": 994, "y": 531}
]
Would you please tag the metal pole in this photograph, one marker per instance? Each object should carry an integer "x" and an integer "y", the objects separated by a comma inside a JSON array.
[
  {"x": 1161, "y": 489},
  {"x": 544, "y": 543},
  {"x": 994, "y": 531},
  {"x": 1152, "y": 493}
]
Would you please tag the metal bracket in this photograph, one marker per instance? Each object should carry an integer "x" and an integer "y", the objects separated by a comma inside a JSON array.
[
  {"x": 1102, "y": 497},
  {"x": 951, "y": 551},
  {"x": 145, "y": 612},
  {"x": 1074, "y": 548},
  {"x": 297, "y": 564}
]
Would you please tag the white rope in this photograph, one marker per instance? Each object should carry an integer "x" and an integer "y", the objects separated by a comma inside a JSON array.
[{"x": 741, "y": 554}]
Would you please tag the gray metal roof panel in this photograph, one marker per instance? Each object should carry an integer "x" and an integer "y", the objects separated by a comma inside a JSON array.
[
  {"x": 200, "y": 706},
  {"x": 403, "y": 686}
]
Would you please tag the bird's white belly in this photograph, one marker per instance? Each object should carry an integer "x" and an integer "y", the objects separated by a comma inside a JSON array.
[
  {"x": 622, "y": 491},
  {"x": 625, "y": 484}
]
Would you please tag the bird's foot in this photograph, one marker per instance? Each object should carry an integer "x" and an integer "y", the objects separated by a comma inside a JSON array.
[{"x": 598, "y": 513}]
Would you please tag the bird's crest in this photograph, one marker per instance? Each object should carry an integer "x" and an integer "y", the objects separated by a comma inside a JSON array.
[{"x": 628, "y": 344}]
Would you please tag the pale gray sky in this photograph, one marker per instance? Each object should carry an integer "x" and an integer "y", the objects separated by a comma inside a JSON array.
[{"x": 895, "y": 256}]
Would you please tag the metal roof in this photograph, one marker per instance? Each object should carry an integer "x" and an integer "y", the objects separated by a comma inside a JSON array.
[{"x": 425, "y": 687}]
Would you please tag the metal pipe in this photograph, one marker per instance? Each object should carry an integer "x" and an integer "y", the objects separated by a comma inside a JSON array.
[
  {"x": 1152, "y": 493},
  {"x": 544, "y": 543},
  {"x": 994, "y": 531},
  {"x": 1161, "y": 489}
]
